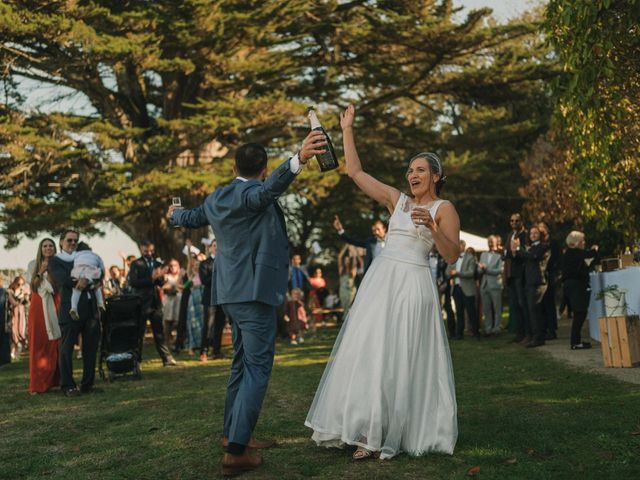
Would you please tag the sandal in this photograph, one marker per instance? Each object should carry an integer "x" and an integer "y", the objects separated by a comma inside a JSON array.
[{"x": 362, "y": 453}]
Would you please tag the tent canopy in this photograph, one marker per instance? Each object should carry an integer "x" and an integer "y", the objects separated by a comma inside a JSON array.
[{"x": 479, "y": 244}]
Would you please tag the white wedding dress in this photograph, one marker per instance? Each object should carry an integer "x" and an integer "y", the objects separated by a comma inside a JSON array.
[{"x": 389, "y": 383}]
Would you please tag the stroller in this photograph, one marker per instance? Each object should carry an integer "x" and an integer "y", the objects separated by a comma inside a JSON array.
[{"x": 122, "y": 334}]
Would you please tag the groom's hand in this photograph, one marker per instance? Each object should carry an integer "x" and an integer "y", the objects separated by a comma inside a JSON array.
[
  {"x": 171, "y": 209},
  {"x": 311, "y": 146}
]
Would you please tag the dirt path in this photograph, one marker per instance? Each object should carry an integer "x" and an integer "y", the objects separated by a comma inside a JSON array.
[{"x": 590, "y": 360}]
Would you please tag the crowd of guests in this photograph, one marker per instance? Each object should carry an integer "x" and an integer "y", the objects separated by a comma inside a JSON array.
[
  {"x": 525, "y": 272},
  {"x": 528, "y": 269},
  {"x": 57, "y": 305}
]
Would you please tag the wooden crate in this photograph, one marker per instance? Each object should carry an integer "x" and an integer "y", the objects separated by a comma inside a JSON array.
[{"x": 620, "y": 337}]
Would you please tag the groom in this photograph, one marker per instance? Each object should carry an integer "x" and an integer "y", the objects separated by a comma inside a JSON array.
[{"x": 250, "y": 281}]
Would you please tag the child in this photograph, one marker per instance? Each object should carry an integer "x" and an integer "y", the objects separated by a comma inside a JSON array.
[
  {"x": 86, "y": 264},
  {"x": 296, "y": 315}
]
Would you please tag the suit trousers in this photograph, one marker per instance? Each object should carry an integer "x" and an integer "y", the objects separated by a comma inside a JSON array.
[
  {"x": 518, "y": 301},
  {"x": 451, "y": 316},
  {"x": 549, "y": 307},
  {"x": 212, "y": 329},
  {"x": 535, "y": 295},
  {"x": 492, "y": 309},
  {"x": 154, "y": 315},
  {"x": 254, "y": 336},
  {"x": 464, "y": 304},
  {"x": 90, "y": 330}
]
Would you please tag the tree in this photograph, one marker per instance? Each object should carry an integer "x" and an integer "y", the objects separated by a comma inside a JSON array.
[
  {"x": 598, "y": 109},
  {"x": 176, "y": 86}
]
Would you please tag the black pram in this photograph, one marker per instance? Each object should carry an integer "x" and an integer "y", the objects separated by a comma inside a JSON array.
[{"x": 122, "y": 334}]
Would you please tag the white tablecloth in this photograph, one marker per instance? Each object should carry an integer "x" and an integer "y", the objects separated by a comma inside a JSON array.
[{"x": 627, "y": 279}]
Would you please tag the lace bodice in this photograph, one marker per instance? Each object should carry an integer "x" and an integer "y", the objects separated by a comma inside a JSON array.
[{"x": 406, "y": 242}]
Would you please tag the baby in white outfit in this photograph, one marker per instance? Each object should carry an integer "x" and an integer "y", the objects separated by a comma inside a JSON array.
[{"x": 86, "y": 264}]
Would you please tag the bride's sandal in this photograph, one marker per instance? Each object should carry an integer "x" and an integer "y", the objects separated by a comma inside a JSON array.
[{"x": 362, "y": 454}]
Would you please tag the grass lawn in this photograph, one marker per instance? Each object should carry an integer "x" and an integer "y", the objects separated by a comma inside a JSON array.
[{"x": 521, "y": 416}]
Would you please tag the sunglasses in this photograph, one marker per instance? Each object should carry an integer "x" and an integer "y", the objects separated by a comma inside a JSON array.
[{"x": 71, "y": 240}]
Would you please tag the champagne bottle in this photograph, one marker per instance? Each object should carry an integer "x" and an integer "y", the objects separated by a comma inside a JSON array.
[{"x": 327, "y": 160}]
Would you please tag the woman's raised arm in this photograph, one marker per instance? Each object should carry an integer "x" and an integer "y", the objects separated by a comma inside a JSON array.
[{"x": 380, "y": 192}]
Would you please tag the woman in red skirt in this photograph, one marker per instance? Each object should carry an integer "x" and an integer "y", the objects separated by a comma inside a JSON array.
[{"x": 44, "y": 330}]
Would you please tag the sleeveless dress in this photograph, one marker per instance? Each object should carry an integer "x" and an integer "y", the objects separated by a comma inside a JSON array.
[{"x": 388, "y": 385}]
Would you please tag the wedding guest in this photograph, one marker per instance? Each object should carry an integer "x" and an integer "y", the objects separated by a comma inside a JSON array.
[
  {"x": 195, "y": 310},
  {"x": 317, "y": 294},
  {"x": 18, "y": 297},
  {"x": 575, "y": 278},
  {"x": 296, "y": 317},
  {"x": 549, "y": 299},
  {"x": 298, "y": 275},
  {"x": 514, "y": 273},
  {"x": 373, "y": 245},
  {"x": 445, "y": 287},
  {"x": 172, "y": 294},
  {"x": 463, "y": 273},
  {"x": 213, "y": 327},
  {"x": 536, "y": 257},
  {"x": 59, "y": 270},
  {"x": 347, "y": 271},
  {"x": 491, "y": 267},
  {"x": 44, "y": 330},
  {"x": 114, "y": 285},
  {"x": 145, "y": 279},
  {"x": 5, "y": 326}
]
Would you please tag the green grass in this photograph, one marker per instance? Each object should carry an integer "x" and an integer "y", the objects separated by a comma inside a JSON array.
[{"x": 521, "y": 416}]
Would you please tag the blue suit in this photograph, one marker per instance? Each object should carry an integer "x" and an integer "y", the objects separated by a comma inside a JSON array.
[{"x": 252, "y": 266}]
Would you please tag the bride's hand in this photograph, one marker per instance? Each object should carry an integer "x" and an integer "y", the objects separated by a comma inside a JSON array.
[{"x": 346, "y": 117}]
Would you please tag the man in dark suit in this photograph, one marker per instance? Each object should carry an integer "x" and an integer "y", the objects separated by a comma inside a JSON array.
[
  {"x": 536, "y": 259},
  {"x": 88, "y": 324},
  {"x": 373, "y": 245},
  {"x": 145, "y": 276},
  {"x": 213, "y": 325},
  {"x": 514, "y": 274},
  {"x": 251, "y": 273}
]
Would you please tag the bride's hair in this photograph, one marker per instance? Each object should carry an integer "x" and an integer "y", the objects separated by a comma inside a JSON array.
[{"x": 435, "y": 166}]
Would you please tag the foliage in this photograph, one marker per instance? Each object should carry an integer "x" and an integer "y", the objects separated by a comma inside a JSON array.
[
  {"x": 174, "y": 87},
  {"x": 598, "y": 43}
]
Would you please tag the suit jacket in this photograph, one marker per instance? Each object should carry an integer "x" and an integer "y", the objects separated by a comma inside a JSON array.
[
  {"x": 514, "y": 266},
  {"x": 369, "y": 244},
  {"x": 141, "y": 282},
  {"x": 492, "y": 274},
  {"x": 60, "y": 276},
  {"x": 536, "y": 258},
  {"x": 467, "y": 274},
  {"x": 205, "y": 271},
  {"x": 252, "y": 263}
]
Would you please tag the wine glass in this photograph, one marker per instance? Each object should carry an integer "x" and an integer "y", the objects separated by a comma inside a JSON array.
[{"x": 415, "y": 221}]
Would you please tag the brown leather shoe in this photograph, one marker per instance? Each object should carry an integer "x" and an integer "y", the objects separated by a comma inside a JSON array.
[
  {"x": 253, "y": 443},
  {"x": 525, "y": 341},
  {"x": 237, "y": 464}
]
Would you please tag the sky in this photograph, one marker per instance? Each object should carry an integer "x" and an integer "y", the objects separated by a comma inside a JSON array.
[{"x": 115, "y": 240}]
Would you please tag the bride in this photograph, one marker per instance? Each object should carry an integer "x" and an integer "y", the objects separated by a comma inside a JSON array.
[{"x": 388, "y": 386}]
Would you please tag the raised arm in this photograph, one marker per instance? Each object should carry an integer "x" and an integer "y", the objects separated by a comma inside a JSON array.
[
  {"x": 260, "y": 196},
  {"x": 380, "y": 192},
  {"x": 191, "y": 218}
]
